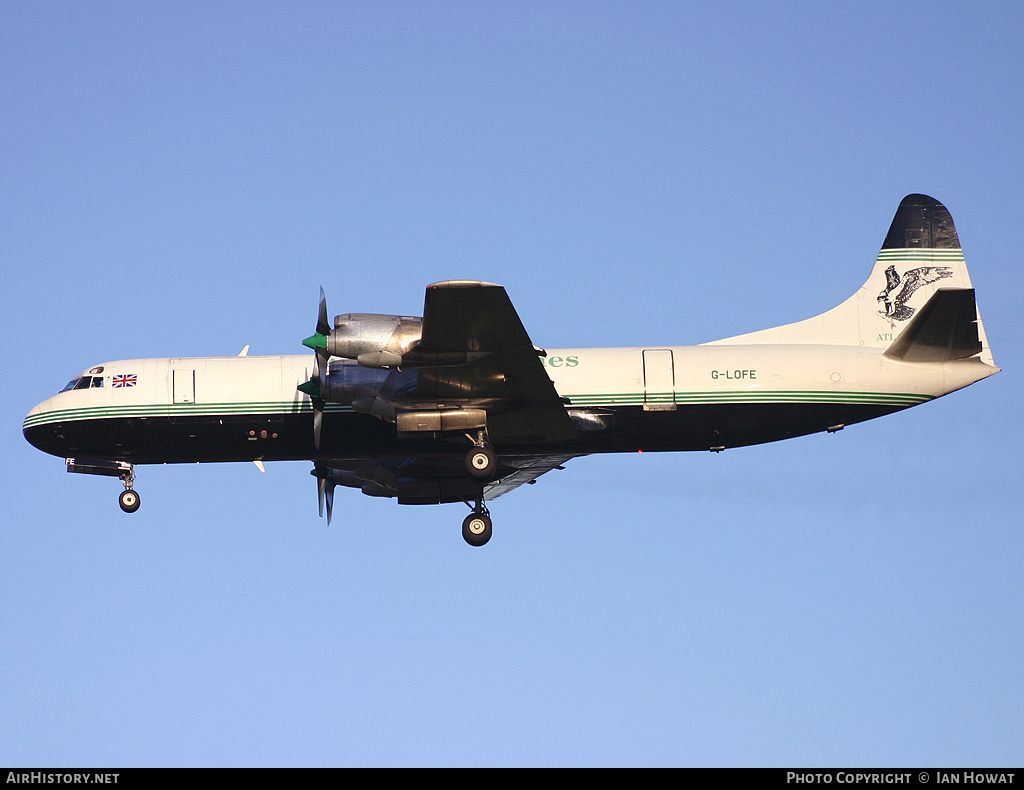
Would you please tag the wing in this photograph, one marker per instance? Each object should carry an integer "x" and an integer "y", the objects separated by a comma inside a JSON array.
[
  {"x": 525, "y": 469},
  {"x": 428, "y": 481},
  {"x": 474, "y": 354},
  {"x": 475, "y": 325}
]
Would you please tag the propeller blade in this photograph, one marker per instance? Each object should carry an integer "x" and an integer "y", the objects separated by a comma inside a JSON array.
[
  {"x": 319, "y": 374},
  {"x": 318, "y": 419},
  {"x": 315, "y": 386},
  {"x": 325, "y": 485},
  {"x": 322, "y": 325},
  {"x": 329, "y": 494}
]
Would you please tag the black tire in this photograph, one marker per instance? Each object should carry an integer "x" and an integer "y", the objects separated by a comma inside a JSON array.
[
  {"x": 481, "y": 462},
  {"x": 476, "y": 529},
  {"x": 129, "y": 501}
]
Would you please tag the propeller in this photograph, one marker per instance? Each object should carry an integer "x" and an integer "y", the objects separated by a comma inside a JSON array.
[
  {"x": 314, "y": 387},
  {"x": 325, "y": 486}
]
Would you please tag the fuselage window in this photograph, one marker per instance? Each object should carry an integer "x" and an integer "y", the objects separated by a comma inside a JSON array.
[{"x": 97, "y": 381}]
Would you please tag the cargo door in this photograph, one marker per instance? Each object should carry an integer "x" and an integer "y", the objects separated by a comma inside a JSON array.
[
  {"x": 659, "y": 379},
  {"x": 184, "y": 384}
]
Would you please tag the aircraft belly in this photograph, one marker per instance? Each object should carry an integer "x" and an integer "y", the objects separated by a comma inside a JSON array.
[
  {"x": 283, "y": 436},
  {"x": 179, "y": 439},
  {"x": 711, "y": 426}
]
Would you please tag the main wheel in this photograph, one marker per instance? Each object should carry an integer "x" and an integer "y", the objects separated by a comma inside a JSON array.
[
  {"x": 476, "y": 529},
  {"x": 481, "y": 462},
  {"x": 129, "y": 501}
]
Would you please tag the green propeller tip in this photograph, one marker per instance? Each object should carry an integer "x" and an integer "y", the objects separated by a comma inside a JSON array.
[
  {"x": 310, "y": 388},
  {"x": 318, "y": 340}
]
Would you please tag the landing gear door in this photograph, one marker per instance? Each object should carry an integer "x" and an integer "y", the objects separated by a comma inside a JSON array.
[{"x": 659, "y": 379}]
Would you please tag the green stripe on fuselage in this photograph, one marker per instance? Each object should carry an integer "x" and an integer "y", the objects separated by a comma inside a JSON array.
[{"x": 578, "y": 400}]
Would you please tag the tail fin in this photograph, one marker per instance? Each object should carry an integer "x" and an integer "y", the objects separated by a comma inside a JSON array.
[{"x": 920, "y": 256}]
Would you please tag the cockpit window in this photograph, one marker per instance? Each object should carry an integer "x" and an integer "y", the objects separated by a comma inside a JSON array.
[{"x": 83, "y": 383}]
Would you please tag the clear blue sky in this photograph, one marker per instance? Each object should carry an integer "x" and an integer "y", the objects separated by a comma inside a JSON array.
[{"x": 180, "y": 179}]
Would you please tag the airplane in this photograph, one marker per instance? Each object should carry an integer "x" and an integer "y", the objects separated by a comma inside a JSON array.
[{"x": 459, "y": 405}]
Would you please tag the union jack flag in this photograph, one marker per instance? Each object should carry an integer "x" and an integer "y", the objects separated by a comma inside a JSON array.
[{"x": 124, "y": 380}]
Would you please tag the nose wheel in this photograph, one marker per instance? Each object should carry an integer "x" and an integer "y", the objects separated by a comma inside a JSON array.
[
  {"x": 476, "y": 528},
  {"x": 129, "y": 500}
]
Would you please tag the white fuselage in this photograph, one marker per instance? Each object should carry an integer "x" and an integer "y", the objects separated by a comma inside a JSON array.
[{"x": 252, "y": 393}]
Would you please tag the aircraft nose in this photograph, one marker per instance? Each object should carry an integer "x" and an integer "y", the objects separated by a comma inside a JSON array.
[{"x": 39, "y": 433}]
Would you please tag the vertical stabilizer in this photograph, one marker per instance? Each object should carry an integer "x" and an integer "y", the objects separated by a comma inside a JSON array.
[{"x": 920, "y": 255}]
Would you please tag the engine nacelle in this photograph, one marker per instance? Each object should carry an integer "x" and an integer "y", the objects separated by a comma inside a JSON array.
[
  {"x": 366, "y": 480},
  {"x": 346, "y": 382},
  {"x": 368, "y": 391},
  {"x": 374, "y": 341}
]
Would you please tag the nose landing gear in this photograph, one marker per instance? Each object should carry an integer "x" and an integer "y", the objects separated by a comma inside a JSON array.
[{"x": 128, "y": 500}]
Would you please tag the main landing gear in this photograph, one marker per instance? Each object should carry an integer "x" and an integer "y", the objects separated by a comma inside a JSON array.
[
  {"x": 481, "y": 460},
  {"x": 476, "y": 528},
  {"x": 481, "y": 463}
]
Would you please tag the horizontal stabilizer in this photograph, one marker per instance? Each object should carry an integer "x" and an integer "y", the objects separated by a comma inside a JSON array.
[{"x": 944, "y": 329}]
